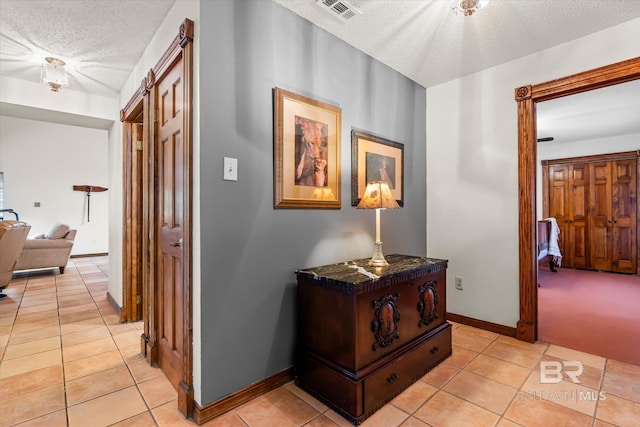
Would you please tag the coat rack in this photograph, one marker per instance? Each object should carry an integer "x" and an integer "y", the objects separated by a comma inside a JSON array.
[{"x": 89, "y": 189}]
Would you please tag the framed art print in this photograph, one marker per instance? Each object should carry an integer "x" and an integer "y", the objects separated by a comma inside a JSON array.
[
  {"x": 374, "y": 158},
  {"x": 306, "y": 152}
]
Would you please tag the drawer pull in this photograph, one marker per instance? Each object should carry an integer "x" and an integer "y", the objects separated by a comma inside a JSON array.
[
  {"x": 392, "y": 379},
  {"x": 434, "y": 350}
]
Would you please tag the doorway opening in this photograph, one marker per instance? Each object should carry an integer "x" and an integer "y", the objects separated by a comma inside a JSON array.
[
  {"x": 133, "y": 141},
  {"x": 527, "y": 97}
]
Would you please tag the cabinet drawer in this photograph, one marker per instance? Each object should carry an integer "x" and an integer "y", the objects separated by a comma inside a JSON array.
[{"x": 385, "y": 384}]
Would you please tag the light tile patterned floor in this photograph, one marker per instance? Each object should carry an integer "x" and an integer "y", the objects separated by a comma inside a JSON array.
[{"x": 67, "y": 361}]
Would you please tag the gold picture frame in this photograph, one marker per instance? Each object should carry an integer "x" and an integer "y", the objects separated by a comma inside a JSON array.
[
  {"x": 306, "y": 163},
  {"x": 374, "y": 158}
]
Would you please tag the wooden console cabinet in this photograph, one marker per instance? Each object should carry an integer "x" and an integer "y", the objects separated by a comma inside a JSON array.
[{"x": 367, "y": 333}]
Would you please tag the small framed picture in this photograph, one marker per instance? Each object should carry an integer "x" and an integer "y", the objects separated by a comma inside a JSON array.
[
  {"x": 306, "y": 152},
  {"x": 374, "y": 158}
]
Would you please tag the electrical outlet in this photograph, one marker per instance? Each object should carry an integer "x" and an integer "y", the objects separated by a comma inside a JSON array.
[
  {"x": 459, "y": 283},
  {"x": 36, "y": 204}
]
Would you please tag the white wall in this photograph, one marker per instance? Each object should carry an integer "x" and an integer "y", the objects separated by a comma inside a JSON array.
[
  {"x": 472, "y": 169},
  {"x": 35, "y": 99},
  {"x": 41, "y": 163},
  {"x": 591, "y": 147},
  {"x": 50, "y": 142}
]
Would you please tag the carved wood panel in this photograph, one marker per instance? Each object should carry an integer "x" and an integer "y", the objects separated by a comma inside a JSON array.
[
  {"x": 385, "y": 320},
  {"x": 428, "y": 303}
]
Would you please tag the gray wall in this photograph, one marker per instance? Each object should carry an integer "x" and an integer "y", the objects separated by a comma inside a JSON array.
[{"x": 249, "y": 249}]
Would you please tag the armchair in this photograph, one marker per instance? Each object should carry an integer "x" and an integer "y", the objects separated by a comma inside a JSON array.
[
  {"x": 13, "y": 235},
  {"x": 48, "y": 250}
]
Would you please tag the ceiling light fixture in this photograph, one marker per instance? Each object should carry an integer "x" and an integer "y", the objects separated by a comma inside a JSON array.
[
  {"x": 469, "y": 7},
  {"x": 53, "y": 74}
]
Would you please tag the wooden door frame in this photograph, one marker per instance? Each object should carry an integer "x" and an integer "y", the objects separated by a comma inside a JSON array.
[
  {"x": 132, "y": 272},
  {"x": 527, "y": 97},
  {"x": 145, "y": 99}
]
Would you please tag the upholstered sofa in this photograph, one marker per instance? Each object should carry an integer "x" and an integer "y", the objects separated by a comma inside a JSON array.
[
  {"x": 13, "y": 235},
  {"x": 49, "y": 250}
]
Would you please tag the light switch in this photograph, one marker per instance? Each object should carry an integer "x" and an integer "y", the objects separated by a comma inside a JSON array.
[{"x": 230, "y": 169}]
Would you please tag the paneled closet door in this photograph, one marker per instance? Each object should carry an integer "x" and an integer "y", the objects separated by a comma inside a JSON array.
[
  {"x": 559, "y": 208},
  {"x": 578, "y": 214},
  {"x": 601, "y": 223},
  {"x": 595, "y": 201},
  {"x": 569, "y": 205},
  {"x": 624, "y": 214}
]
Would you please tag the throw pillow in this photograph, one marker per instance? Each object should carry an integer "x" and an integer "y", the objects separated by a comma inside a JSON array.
[{"x": 57, "y": 231}]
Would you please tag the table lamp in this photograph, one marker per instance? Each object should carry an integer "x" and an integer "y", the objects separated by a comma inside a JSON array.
[{"x": 377, "y": 196}]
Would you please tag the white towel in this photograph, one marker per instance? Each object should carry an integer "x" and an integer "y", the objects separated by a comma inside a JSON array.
[{"x": 554, "y": 249}]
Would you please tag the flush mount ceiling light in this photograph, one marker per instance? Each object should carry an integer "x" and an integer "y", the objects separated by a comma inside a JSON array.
[
  {"x": 53, "y": 74},
  {"x": 469, "y": 7}
]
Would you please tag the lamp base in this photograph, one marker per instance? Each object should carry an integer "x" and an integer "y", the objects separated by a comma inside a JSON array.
[{"x": 377, "y": 260}]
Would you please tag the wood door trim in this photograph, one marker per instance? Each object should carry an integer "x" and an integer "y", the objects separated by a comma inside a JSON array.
[
  {"x": 186, "y": 393},
  {"x": 127, "y": 183},
  {"x": 593, "y": 159},
  {"x": 526, "y": 98},
  {"x": 134, "y": 272},
  {"x": 132, "y": 210},
  {"x": 143, "y": 102},
  {"x": 182, "y": 46}
]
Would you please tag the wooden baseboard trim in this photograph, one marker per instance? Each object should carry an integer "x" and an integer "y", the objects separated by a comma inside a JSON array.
[
  {"x": 114, "y": 305},
  {"x": 208, "y": 412},
  {"x": 89, "y": 255},
  {"x": 482, "y": 324}
]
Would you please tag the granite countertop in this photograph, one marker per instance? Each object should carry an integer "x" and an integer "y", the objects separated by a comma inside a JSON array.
[{"x": 358, "y": 271}]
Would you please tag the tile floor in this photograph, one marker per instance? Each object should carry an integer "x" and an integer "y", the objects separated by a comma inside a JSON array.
[{"x": 67, "y": 361}]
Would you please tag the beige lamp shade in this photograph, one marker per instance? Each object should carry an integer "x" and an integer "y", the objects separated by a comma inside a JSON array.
[{"x": 378, "y": 195}]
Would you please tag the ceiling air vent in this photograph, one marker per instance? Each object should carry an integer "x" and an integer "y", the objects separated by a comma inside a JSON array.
[{"x": 339, "y": 8}]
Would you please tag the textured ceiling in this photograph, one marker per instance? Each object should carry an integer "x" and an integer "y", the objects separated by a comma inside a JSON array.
[
  {"x": 601, "y": 113},
  {"x": 427, "y": 42},
  {"x": 100, "y": 40}
]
